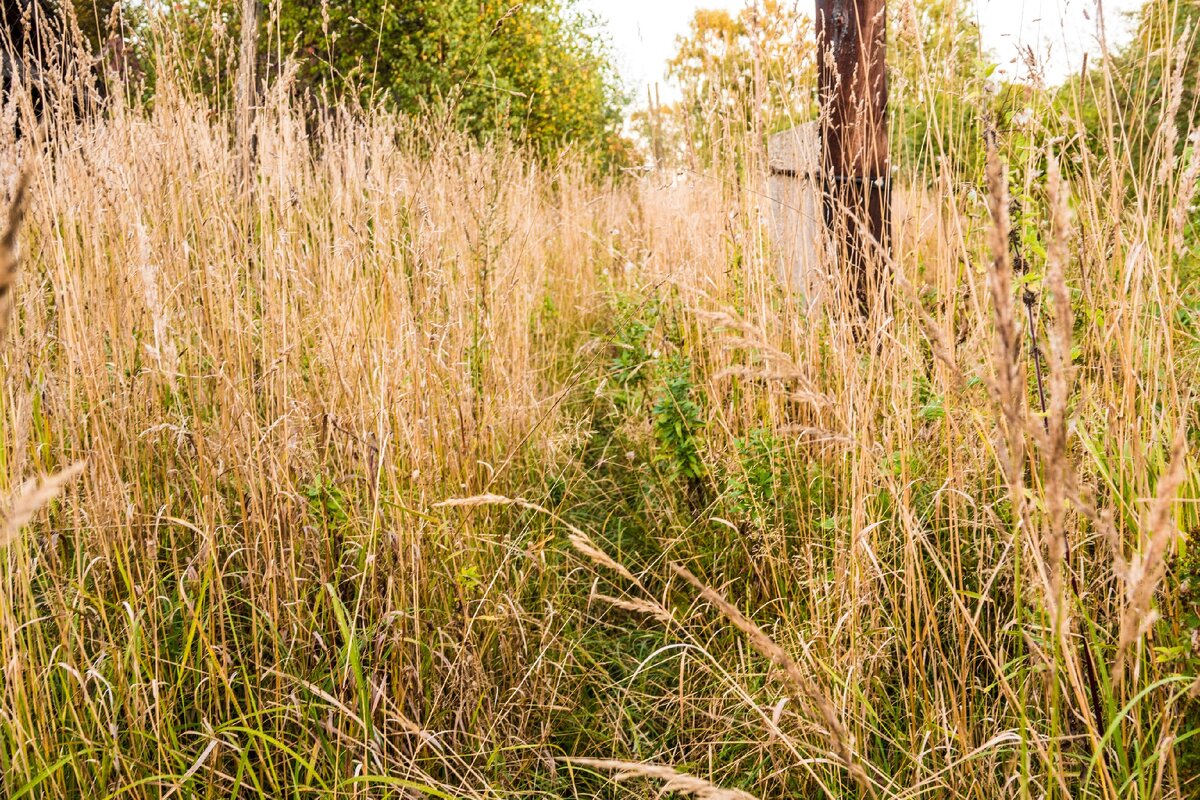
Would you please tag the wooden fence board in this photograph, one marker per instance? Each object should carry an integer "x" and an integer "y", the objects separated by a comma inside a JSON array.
[{"x": 797, "y": 229}]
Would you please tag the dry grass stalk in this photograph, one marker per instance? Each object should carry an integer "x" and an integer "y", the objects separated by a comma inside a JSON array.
[
  {"x": 1168, "y": 129},
  {"x": 672, "y": 781},
  {"x": 33, "y": 495},
  {"x": 805, "y": 691},
  {"x": 777, "y": 365},
  {"x": 1147, "y": 567},
  {"x": 1186, "y": 194},
  {"x": 1060, "y": 477},
  {"x": 583, "y": 543},
  {"x": 939, "y": 342},
  {"x": 812, "y": 435},
  {"x": 578, "y": 539},
  {"x": 247, "y": 89},
  {"x": 637, "y": 607},
  {"x": 9, "y": 256},
  {"x": 1059, "y": 362},
  {"x": 817, "y": 400},
  {"x": 35, "y": 492},
  {"x": 1008, "y": 384},
  {"x": 162, "y": 349}
]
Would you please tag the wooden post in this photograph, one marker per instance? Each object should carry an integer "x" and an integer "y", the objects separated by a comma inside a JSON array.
[{"x": 855, "y": 170}]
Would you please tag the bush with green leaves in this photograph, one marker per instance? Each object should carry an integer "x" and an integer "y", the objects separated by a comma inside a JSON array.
[
  {"x": 679, "y": 421},
  {"x": 538, "y": 69}
]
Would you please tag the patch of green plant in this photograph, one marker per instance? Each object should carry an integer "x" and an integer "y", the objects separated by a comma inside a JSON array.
[
  {"x": 1178, "y": 647},
  {"x": 632, "y": 361},
  {"x": 679, "y": 422},
  {"x": 751, "y": 485},
  {"x": 327, "y": 502}
]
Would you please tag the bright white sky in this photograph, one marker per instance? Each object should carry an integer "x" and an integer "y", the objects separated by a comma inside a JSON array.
[{"x": 643, "y": 32}]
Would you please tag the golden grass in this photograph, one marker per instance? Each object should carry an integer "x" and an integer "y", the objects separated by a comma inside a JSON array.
[{"x": 364, "y": 445}]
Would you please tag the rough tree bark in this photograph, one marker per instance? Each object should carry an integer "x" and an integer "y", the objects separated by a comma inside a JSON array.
[{"x": 855, "y": 170}]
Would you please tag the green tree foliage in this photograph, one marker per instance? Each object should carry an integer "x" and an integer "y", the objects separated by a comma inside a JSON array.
[
  {"x": 678, "y": 422},
  {"x": 1137, "y": 121},
  {"x": 537, "y": 68},
  {"x": 93, "y": 18},
  {"x": 752, "y": 73},
  {"x": 55, "y": 16},
  {"x": 938, "y": 90},
  {"x": 1151, "y": 103}
]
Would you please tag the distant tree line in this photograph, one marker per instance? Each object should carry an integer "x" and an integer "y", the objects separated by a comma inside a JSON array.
[
  {"x": 538, "y": 70},
  {"x": 542, "y": 72}
]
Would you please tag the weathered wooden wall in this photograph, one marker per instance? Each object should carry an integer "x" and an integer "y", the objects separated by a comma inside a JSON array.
[{"x": 797, "y": 229}]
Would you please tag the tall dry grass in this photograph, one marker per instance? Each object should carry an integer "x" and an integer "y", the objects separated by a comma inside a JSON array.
[
  {"x": 271, "y": 397},
  {"x": 291, "y": 566}
]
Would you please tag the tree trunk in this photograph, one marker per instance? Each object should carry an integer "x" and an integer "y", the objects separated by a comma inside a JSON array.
[{"x": 855, "y": 170}]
